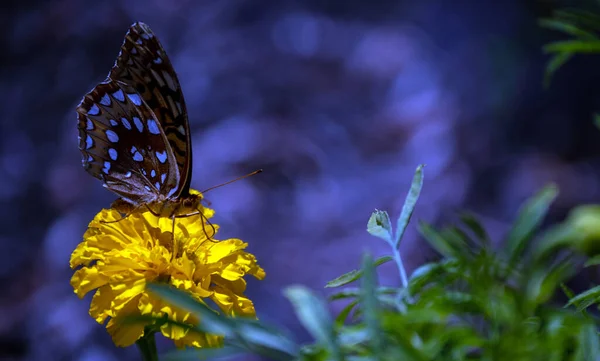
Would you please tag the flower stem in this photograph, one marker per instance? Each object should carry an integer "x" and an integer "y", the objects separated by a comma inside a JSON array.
[
  {"x": 147, "y": 346},
  {"x": 398, "y": 260}
]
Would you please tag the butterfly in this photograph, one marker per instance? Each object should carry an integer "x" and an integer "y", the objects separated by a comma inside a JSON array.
[{"x": 134, "y": 133}]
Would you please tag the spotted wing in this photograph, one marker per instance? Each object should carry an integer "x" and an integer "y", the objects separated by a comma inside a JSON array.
[
  {"x": 123, "y": 144},
  {"x": 143, "y": 64}
]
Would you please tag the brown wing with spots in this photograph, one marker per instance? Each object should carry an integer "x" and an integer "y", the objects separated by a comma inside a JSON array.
[
  {"x": 123, "y": 144},
  {"x": 143, "y": 64}
]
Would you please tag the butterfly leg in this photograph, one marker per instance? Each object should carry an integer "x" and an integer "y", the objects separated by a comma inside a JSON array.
[
  {"x": 175, "y": 245},
  {"x": 204, "y": 221}
]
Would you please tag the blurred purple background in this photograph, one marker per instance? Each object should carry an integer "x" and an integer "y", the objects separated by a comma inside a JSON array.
[{"x": 338, "y": 102}]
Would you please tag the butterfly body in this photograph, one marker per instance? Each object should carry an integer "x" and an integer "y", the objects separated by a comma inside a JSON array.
[{"x": 134, "y": 133}]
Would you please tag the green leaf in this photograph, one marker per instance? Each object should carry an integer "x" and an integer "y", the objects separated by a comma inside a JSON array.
[
  {"x": 585, "y": 299},
  {"x": 353, "y": 292},
  {"x": 314, "y": 316},
  {"x": 544, "y": 281},
  {"x": 583, "y": 18},
  {"x": 443, "y": 245},
  {"x": 354, "y": 275},
  {"x": 343, "y": 315},
  {"x": 409, "y": 204},
  {"x": 379, "y": 225},
  {"x": 594, "y": 261},
  {"x": 567, "y": 28},
  {"x": 267, "y": 342},
  {"x": 248, "y": 334},
  {"x": 354, "y": 336},
  {"x": 370, "y": 304},
  {"x": 475, "y": 226},
  {"x": 589, "y": 344},
  {"x": 555, "y": 63},
  {"x": 573, "y": 46},
  {"x": 212, "y": 322},
  {"x": 528, "y": 220}
]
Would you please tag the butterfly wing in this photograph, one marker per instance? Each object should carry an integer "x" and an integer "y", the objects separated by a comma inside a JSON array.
[
  {"x": 143, "y": 64},
  {"x": 123, "y": 144}
]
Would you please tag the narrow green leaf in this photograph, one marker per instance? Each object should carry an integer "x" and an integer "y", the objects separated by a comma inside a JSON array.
[
  {"x": 590, "y": 344},
  {"x": 268, "y": 343},
  {"x": 344, "y": 279},
  {"x": 573, "y": 46},
  {"x": 354, "y": 275},
  {"x": 475, "y": 226},
  {"x": 528, "y": 220},
  {"x": 379, "y": 225},
  {"x": 370, "y": 304},
  {"x": 211, "y": 322},
  {"x": 567, "y": 28},
  {"x": 314, "y": 316},
  {"x": 409, "y": 204},
  {"x": 544, "y": 281},
  {"x": 555, "y": 63},
  {"x": 345, "y": 293},
  {"x": 343, "y": 315},
  {"x": 585, "y": 299},
  {"x": 439, "y": 242},
  {"x": 594, "y": 261},
  {"x": 354, "y": 335},
  {"x": 583, "y": 18}
]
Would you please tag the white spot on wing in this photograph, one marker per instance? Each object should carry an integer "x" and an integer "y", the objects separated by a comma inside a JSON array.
[
  {"x": 144, "y": 172},
  {"x": 119, "y": 95},
  {"x": 128, "y": 174},
  {"x": 137, "y": 157},
  {"x": 181, "y": 129},
  {"x": 89, "y": 124},
  {"x": 105, "y": 100},
  {"x": 157, "y": 185},
  {"x": 163, "y": 177},
  {"x": 135, "y": 99},
  {"x": 138, "y": 124},
  {"x": 148, "y": 188},
  {"x": 152, "y": 173},
  {"x": 89, "y": 142},
  {"x": 153, "y": 127},
  {"x": 126, "y": 123},
  {"x": 169, "y": 80},
  {"x": 113, "y": 122},
  {"x": 112, "y": 136},
  {"x": 162, "y": 156},
  {"x": 157, "y": 60},
  {"x": 112, "y": 153},
  {"x": 94, "y": 110},
  {"x": 106, "y": 167}
]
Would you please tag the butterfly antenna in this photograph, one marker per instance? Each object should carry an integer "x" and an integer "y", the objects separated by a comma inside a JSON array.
[{"x": 234, "y": 180}]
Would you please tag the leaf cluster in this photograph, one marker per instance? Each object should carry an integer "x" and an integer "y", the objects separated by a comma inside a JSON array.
[{"x": 475, "y": 303}]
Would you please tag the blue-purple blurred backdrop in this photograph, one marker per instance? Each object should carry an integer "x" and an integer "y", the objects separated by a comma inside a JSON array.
[{"x": 338, "y": 101}]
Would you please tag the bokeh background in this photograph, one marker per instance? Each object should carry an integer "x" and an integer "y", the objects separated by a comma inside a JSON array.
[{"x": 338, "y": 101}]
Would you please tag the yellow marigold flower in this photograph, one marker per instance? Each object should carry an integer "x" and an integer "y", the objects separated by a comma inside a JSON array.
[{"x": 119, "y": 259}]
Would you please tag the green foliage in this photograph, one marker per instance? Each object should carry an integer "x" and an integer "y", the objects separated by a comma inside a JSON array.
[
  {"x": 475, "y": 303},
  {"x": 581, "y": 28}
]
